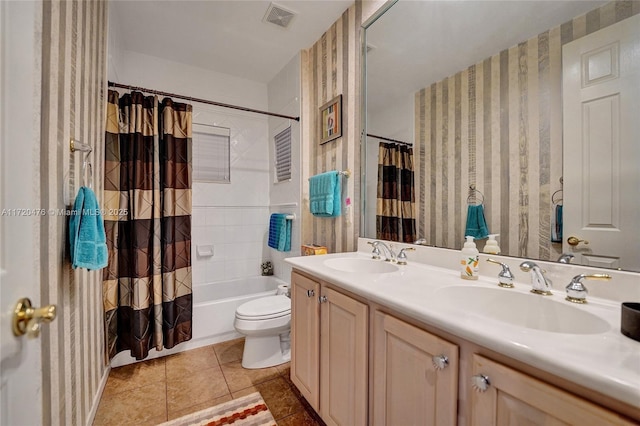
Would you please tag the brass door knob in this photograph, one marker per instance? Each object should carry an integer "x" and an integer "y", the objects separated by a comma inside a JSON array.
[
  {"x": 574, "y": 241},
  {"x": 27, "y": 319}
]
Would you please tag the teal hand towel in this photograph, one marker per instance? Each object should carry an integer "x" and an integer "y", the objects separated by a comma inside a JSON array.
[
  {"x": 476, "y": 223},
  {"x": 86, "y": 232},
  {"x": 284, "y": 242},
  {"x": 325, "y": 194}
]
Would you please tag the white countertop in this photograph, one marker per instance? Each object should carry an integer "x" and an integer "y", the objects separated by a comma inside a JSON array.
[{"x": 608, "y": 362}]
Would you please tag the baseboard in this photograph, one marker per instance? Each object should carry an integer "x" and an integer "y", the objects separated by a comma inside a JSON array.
[{"x": 98, "y": 396}]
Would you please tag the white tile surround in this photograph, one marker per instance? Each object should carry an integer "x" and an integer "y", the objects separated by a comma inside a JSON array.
[
  {"x": 233, "y": 218},
  {"x": 239, "y": 239}
]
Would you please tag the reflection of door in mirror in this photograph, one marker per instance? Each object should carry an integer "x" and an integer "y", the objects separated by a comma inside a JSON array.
[{"x": 601, "y": 92}]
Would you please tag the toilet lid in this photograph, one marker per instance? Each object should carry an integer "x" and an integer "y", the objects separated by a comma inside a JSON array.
[{"x": 270, "y": 306}]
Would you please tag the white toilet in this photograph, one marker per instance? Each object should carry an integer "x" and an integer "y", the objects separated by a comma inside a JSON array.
[{"x": 266, "y": 323}]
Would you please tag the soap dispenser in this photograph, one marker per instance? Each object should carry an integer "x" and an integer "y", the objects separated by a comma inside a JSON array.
[
  {"x": 491, "y": 246},
  {"x": 469, "y": 260}
]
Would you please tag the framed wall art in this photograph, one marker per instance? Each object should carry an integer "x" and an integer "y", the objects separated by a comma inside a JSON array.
[{"x": 331, "y": 120}]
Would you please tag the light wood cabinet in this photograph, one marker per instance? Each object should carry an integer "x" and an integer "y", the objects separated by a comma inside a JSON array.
[
  {"x": 329, "y": 335},
  {"x": 329, "y": 365},
  {"x": 344, "y": 366},
  {"x": 415, "y": 375},
  {"x": 514, "y": 398},
  {"x": 305, "y": 338}
]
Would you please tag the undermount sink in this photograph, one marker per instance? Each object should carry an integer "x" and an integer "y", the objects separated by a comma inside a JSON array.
[
  {"x": 362, "y": 266},
  {"x": 523, "y": 309}
]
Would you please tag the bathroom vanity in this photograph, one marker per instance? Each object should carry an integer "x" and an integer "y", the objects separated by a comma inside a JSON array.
[{"x": 384, "y": 344}]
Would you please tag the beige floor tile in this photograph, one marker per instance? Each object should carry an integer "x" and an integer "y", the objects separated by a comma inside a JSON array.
[
  {"x": 284, "y": 369},
  {"x": 279, "y": 398},
  {"x": 135, "y": 406},
  {"x": 301, "y": 418},
  {"x": 150, "y": 422},
  {"x": 229, "y": 351},
  {"x": 133, "y": 376},
  {"x": 174, "y": 414},
  {"x": 150, "y": 392},
  {"x": 201, "y": 387},
  {"x": 240, "y": 378},
  {"x": 190, "y": 362},
  {"x": 244, "y": 392}
]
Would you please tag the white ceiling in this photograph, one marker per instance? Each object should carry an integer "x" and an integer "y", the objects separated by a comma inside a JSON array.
[
  {"x": 222, "y": 35},
  {"x": 421, "y": 42}
]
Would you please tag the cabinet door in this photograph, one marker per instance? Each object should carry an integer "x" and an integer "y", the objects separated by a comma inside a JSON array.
[
  {"x": 408, "y": 387},
  {"x": 344, "y": 365},
  {"x": 514, "y": 398},
  {"x": 305, "y": 338}
]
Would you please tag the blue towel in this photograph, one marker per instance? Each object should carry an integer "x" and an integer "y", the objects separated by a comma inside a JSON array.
[
  {"x": 279, "y": 232},
  {"x": 86, "y": 232},
  {"x": 556, "y": 225},
  {"x": 476, "y": 223},
  {"x": 325, "y": 194}
]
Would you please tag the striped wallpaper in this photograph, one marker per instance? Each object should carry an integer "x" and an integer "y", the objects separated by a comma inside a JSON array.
[
  {"x": 73, "y": 105},
  {"x": 329, "y": 68},
  {"x": 498, "y": 125}
]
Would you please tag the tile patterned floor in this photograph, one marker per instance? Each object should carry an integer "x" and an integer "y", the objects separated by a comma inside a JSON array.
[{"x": 154, "y": 391}]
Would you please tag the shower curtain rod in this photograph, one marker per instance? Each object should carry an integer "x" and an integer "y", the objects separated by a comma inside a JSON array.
[
  {"x": 202, "y": 101},
  {"x": 389, "y": 140}
]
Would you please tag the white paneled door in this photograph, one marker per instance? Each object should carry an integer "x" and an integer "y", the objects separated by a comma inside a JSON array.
[
  {"x": 601, "y": 157},
  {"x": 21, "y": 380}
]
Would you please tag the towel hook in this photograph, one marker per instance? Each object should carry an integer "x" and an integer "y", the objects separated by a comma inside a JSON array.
[
  {"x": 86, "y": 164},
  {"x": 472, "y": 198}
]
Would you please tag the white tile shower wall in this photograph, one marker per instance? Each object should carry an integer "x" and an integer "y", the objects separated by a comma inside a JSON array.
[
  {"x": 238, "y": 236},
  {"x": 233, "y": 218},
  {"x": 284, "y": 98}
]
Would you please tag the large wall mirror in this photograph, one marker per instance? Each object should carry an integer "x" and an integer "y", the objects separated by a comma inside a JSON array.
[{"x": 528, "y": 109}]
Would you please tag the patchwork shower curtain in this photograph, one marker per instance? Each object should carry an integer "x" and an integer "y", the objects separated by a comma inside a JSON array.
[
  {"x": 147, "y": 283},
  {"x": 395, "y": 207}
]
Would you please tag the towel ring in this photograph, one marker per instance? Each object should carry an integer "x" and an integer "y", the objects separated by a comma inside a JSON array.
[
  {"x": 559, "y": 200},
  {"x": 472, "y": 198}
]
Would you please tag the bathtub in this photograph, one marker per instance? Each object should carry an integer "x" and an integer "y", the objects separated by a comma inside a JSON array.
[
  {"x": 214, "y": 309},
  {"x": 214, "y": 306}
]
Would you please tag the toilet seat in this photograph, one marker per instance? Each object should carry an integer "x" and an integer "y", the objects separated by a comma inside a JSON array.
[
  {"x": 264, "y": 308},
  {"x": 262, "y": 317}
]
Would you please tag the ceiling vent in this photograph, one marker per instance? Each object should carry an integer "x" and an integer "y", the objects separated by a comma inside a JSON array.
[{"x": 278, "y": 15}]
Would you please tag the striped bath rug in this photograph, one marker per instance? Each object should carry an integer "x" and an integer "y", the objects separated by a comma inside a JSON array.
[{"x": 247, "y": 410}]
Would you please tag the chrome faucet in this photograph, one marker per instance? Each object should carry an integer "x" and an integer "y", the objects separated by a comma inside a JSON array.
[
  {"x": 402, "y": 256},
  {"x": 540, "y": 283},
  {"x": 577, "y": 292},
  {"x": 565, "y": 258},
  {"x": 505, "y": 277},
  {"x": 390, "y": 255}
]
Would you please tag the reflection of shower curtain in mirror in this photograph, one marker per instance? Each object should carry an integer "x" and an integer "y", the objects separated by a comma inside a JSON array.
[
  {"x": 395, "y": 207},
  {"x": 148, "y": 173}
]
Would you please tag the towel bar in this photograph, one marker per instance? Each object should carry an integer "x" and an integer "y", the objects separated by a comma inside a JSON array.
[{"x": 345, "y": 173}]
